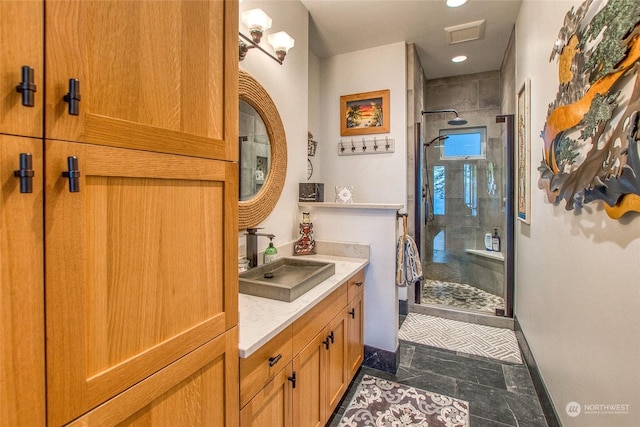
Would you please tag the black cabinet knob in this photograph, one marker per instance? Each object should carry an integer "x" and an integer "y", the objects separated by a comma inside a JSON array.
[
  {"x": 27, "y": 86},
  {"x": 25, "y": 173},
  {"x": 73, "y": 97},
  {"x": 73, "y": 174}
]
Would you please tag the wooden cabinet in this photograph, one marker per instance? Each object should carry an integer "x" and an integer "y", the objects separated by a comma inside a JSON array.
[
  {"x": 137, "y": 286},
  {"x": 327, "y": 349},
  {"x": 272, "y": 405},
  {"x": 22, "y": 371},
  {"x": 139, "y": 267},
  {"x": 153, "y": 75},
  {"x": 196, "y": 390},
  {"x": 21, "y": 44},
  {"x": 355, "y": 323}
]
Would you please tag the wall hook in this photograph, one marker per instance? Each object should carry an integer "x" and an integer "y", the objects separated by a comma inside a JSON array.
[
  {"x": 353, "y": 147},
  {"x": 341, "y": 147},
  {"x": 386, "y": 139},
  {"x": 375, "y": 144},
  {"x": 364, "y": 145}
]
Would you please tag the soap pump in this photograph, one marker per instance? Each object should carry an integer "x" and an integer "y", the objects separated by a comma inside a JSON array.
[
  {"x": 271, "y": 253},
  {"x": 495, "y": 241}
]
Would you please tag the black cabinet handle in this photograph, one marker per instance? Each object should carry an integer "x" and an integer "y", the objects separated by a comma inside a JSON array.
[
  {"x": 27, "y": 86},
  {"x": 73, "y": 174},
  {"x": 25, "y": 173},
  {"x": 292, "y": 378},
  {"x": 358, "y": 284},
  {"x": 274, "y": 359},
  {"x": 326, "y": 343},
  {"x": 73, "y": 97},
  {"x": 330, "y": 336},
  {"x": 353, "y": 313}
]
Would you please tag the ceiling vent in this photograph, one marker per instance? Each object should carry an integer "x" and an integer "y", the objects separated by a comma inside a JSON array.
[{"x": 465, "y": 32}]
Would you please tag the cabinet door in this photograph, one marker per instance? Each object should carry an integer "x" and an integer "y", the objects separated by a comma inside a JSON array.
[
  {"x": 21, "y": 288},
  {"x": 336, "y": 362},
  {"x": 141, "y": 267},
  {"x": 355, "y": 334},
  {"x": 272, "y": 406},
  {"x": 199, "y": 390},
  {"x": 309, "y": 395},
  {"x": 153, "y": 75},
  {"x": 21, "y": 44}
]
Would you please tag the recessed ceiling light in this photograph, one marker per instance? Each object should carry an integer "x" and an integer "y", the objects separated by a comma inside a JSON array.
[
  {"x": 455, "y": 3},
  {"x": 460, "y": 58}
]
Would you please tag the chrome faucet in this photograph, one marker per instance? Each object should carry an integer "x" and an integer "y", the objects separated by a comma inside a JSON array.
[{"x": 252, "y": 245}]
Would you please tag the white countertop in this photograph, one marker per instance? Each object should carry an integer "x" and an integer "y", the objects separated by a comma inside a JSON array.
[{"x": 262, "y": 319}]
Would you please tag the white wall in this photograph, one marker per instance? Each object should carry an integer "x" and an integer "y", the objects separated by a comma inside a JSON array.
[
  {"x": 379, "y": 178},
  {"x": 287, "y": 85},
  {"x": 577, "y": 281}
]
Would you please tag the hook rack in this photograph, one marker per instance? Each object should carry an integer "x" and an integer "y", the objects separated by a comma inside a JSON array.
[{"x": 366, "y": 146}]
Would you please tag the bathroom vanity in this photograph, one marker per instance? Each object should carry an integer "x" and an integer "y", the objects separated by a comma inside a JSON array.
[{"x": 297, "y": 358}]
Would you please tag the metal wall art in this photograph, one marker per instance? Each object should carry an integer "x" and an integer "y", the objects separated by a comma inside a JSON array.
[{"x": 591, "y": 138}]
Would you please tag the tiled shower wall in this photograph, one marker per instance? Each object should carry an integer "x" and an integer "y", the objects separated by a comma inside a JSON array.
[{"x": 477, "y": 97}]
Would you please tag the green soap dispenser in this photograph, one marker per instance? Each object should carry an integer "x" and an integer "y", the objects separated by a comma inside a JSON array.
[{"x": 271, "y": 253}]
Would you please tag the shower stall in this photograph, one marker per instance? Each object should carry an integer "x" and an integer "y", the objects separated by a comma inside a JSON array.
[{"x": 463, "y": 221}]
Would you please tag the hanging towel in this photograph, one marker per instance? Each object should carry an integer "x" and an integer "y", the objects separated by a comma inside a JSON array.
[{"x": 408, "y": 265}]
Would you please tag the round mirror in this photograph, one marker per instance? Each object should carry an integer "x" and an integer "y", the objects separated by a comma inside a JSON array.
[{"x": 263, "y": 164}]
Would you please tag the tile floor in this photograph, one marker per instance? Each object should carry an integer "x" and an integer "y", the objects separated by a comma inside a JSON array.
[
  {"x": 499, "y": 393},
  {"x": 459, "y": 295}
]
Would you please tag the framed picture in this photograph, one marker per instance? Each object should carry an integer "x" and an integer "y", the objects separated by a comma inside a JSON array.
[
  {"x": 364, "y": 113},
  {"x": 523, "y": 154}
]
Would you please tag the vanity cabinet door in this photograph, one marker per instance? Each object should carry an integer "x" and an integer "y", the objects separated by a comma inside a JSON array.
[
  {"x": 141, "y": 267},
  {"x": 355, "y": 334},
  {"x": 309, "y": 395},
  {"x": 151, "y": 75},
  {"x": 22, "y": 375},
  {"x": 21, "y": 44},
  {"x": 335, "y": 367},
  {"x": 272, "y": 405}
]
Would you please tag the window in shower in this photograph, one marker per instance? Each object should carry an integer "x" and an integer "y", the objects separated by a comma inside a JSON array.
[
  {"x": 438, "y": 190},
  {"x": 467, "y": 143},
  {"x": 470, "y": 179}
]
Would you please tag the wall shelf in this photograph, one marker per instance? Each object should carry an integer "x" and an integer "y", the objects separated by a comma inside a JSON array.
[{"x": 379, "y": 206}]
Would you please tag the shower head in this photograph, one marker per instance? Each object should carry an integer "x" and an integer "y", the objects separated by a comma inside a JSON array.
[{"x": 457, "y": 121}]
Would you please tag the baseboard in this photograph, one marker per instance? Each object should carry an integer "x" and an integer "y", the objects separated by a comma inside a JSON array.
[
  {"x": 403, "y": 307},
  {"x": 383, "y": 360},
  {"x": 549, "y": 410}
]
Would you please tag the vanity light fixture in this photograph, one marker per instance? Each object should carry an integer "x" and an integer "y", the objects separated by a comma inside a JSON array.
[
  {"x": 258, "y": 22},
  {"x": 281, "y": 42}
]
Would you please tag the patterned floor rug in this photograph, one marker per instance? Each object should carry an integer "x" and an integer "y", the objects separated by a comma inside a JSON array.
[
  {"x": 480, "y": 340},
  {"x": 379, "y": 402}
]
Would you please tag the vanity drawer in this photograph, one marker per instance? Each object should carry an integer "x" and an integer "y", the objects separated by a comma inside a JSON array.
[
  {"x": 356, "y": 284},
  {"x": 259, "y": 368},
  {"x": 315, "y": 320}
]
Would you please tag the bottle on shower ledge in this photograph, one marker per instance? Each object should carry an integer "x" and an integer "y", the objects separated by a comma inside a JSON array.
[{"x": 495, "y": 241}]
